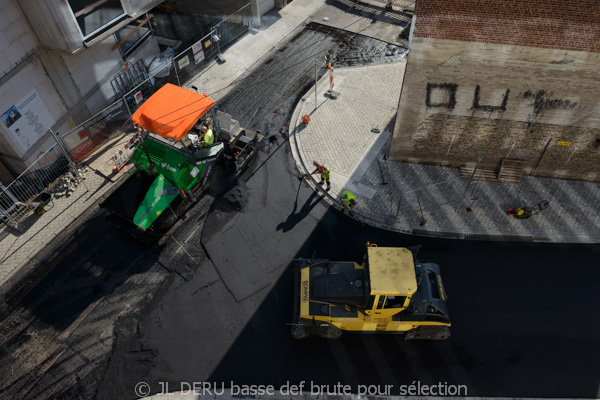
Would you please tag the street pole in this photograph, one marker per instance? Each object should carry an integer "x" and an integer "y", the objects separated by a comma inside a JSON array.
[
  {"x": 468, "y": 184},
  {"x": 541, "y": 156},
  {"x": 127, "y": 106},
  {"x": 176, "y": 73},
  {"x": 315, "y": 84},
  {"x": 5, "y": 214}
]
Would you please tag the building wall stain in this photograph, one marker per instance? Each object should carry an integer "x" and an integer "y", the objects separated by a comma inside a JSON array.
[{"x": 499, "y": 138}]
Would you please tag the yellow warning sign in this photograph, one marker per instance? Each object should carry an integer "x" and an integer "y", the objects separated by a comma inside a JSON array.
[{"x": 563, "y": 143}]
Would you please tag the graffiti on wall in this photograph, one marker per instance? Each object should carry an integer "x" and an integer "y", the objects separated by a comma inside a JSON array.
[
  {"x": 443, "y": 95},
  {"x": 489, "y": 108},
  {"x": 541, "y": 102}
]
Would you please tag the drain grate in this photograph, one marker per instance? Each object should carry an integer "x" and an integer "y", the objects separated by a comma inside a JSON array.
[{"x": 473, "y": 237}]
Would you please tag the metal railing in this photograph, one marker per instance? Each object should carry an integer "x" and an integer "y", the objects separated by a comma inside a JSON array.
[
  {"x": 427, "y": 190},
  {"x": 84, "y": 139},
  {"x": 131, "y": 76},
  {"x": 192, "y": 60},
  {"x": 21, "y": 196}
]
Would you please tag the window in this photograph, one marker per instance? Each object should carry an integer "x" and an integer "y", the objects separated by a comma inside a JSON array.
[
  {"x": 395, "y": 301},
  {"x": 133, "y": 35},
  {"x": 95, "y": 16},
  {"x": 381, "y": 302}
]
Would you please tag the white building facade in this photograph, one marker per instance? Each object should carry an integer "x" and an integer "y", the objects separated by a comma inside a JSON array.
[{"x": 57, "y": 58}]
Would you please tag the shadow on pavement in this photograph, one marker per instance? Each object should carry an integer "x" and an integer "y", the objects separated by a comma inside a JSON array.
[
  {"x": 105, "y": 260},
  {"x": 296, "y": 217},
  {"x": 500, "y": 334}
]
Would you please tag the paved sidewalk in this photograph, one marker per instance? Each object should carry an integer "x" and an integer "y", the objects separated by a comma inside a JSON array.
[
  {"x": 391, "y": 195},
  {"x": 276, "y": 26}
]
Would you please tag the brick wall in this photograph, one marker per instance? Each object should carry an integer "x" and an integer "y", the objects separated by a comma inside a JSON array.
[
  {"x": 553, "y": 24},
  {"x": 496, "y": 99},
  {"x": 442, "y": 137}
]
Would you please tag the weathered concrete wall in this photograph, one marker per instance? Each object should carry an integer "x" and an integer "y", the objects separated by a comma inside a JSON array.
[
  {"x": 459, "y": 140},
  {"x": 494, "y": 99},
  {"x": 135, "y": 8},
  {"x": 57, "y": 30},
  {"x": 92, "y": 65},
  {"x": 53, "y": 24},
  {"x": 17, "y": 40},
  {"x": 72, "y": 87}
]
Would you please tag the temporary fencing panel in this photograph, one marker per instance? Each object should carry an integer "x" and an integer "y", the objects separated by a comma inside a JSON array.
[
  {"x": 20, "y": 198},
  {"x": 85, "y": 138},
  {"x": 191, "y": 61}
]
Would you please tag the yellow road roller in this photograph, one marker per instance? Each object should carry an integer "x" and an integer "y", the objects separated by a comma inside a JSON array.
[{"x": 390, "y": 292}]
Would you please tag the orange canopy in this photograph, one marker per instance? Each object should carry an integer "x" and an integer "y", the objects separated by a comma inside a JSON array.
[{"x": 172, "y": 111}]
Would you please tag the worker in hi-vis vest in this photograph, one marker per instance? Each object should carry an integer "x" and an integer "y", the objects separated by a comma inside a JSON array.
[
  {"x": 325, "y": 173},
  {"x": 348, "y": 201},
  {"x": 208, "y": 136}
]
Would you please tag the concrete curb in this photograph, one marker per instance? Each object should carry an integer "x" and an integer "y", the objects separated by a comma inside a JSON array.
[
  {"x": 295, "y": 127},
  {"x": 295, "y": 122}
]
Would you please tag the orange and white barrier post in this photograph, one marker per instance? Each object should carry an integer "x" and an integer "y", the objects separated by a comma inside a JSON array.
[
  {"x": 330, "y": 77},
  {"x": 122, "y": 156}
]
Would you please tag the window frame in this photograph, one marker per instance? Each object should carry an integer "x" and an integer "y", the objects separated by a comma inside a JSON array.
[
  {"x": 137, "y": 43},
  {"x": 107, "y": 26}
]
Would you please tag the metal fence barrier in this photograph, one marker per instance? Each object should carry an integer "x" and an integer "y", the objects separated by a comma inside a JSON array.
[
  {"x": 87, "y": 137},
  {"x": 22, "y": 196},
  {"x": 111, "y": 122},
  {"x": 132, "y": 74},
  {"x": 192, "y": 60}
]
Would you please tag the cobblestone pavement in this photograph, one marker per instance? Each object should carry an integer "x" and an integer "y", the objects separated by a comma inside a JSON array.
[{"x": 350, "y": 135}]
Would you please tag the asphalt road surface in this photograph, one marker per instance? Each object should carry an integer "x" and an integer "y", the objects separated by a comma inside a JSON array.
[
  {"x": 524, "y": 315},
  {"x": 211, "y": 302}
]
